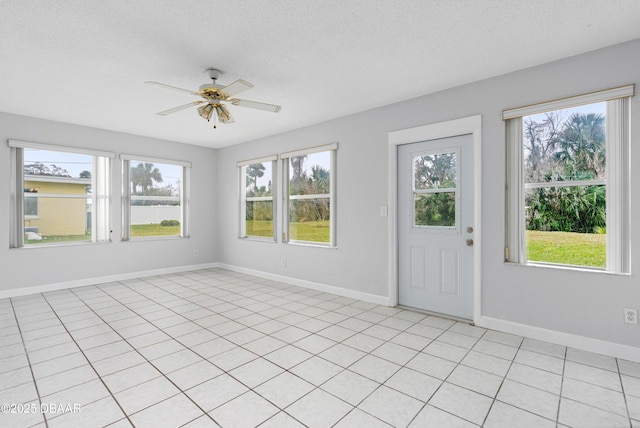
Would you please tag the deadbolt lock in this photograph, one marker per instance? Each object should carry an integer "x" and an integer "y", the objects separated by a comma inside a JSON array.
[{"x": 469, "y": 229}]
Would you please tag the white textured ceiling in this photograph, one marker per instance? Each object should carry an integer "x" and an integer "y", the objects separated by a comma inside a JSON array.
[{"x": 85, "y": 61}]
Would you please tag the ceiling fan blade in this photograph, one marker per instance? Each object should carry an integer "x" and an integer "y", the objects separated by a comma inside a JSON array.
[
  {"x": 223, "y": 114},
  {"x": 182, "y": 107},
  {"x": 236, "y": 87},
  {"x": 162, "y": 85},
  {"x": 255, "y": 104}
]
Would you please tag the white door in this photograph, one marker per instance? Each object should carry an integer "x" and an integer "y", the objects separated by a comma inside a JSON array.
[{"x": 435, "y": 225}]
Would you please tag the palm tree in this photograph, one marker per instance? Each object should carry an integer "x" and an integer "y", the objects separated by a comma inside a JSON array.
[
  {"x": 254, "y": 172},
  {"x": 582, "y": 146},
  {"x": 143, "y": 175}
]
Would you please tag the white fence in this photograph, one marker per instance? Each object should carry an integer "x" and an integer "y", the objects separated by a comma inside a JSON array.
[{"x": 154, "y": 214}]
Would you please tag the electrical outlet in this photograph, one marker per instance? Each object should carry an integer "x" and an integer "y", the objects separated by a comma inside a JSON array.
[
  {"x": 284, "y": 263},
  {"x": 196, "y": 253},
  {"x": 630, "y": 316}
]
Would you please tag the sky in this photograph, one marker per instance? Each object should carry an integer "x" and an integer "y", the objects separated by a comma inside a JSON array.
[
  {"x": 76, "y": 163},
  {"x": 566, "y": 113}
]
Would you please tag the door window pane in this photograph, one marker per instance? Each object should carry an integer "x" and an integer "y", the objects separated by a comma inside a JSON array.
[
  {"x": 435, "y": 179},
  {"x": 435, "y": 171},
  {"x": 435, "y": 209}
]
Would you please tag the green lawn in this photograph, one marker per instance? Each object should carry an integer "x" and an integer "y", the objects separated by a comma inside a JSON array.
[
  {"x": 582, "y": 249},
  {"x": 312, "y": 231},
  {"x": 260, "y": 228},
  {"x": 138, "y": 230},
  {"x": 56, "y": 239}
]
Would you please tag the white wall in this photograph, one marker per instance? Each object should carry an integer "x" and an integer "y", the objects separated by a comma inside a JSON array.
[
  {"x": 26, "y": 267},
  {"x": 578, "y": 303}
]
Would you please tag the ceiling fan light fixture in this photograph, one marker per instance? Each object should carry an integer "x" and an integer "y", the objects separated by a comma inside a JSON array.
[
  {"x": 223, "y": 114},
  {"x": 206, "y": 111}
]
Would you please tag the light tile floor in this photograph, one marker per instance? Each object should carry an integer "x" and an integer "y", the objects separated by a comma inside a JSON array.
[{"x": 214, "y": 347}]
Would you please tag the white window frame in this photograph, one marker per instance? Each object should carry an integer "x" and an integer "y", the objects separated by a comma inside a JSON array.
[
  {"x": 617, "y": 176},
  {"x": 332, "y": 148},
  {"x": 242, "y": 168},
  {"x": 185, "y": 198},
  {"x": 100, "y": 195}
]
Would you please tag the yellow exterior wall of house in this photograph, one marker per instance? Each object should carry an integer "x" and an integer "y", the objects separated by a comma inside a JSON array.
[{"x": 59, "y": 216}]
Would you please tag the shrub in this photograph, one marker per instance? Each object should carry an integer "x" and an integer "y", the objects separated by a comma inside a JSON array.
[{"x": 170, "y": 223}]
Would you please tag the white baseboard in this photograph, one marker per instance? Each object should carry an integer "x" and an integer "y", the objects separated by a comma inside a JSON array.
[
  {"x": 597, "y": 346},
  {"x": 36, "y": 289},
  {"x": 344, "y": 292}
]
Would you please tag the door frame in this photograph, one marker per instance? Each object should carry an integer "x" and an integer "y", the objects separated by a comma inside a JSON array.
[{"x": 466, "y": 125}]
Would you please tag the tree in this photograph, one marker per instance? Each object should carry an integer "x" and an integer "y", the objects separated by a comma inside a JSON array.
[
  {"x": 254, "y": 172},
  {"x": 562, "y": 150},
  {"x": 85, "y": 174},
  {"x": 582, "y": 146},
  {"x": 143, "y": 175},
  {"x": 319, "y": 180},
  {"x": 540, "y": 142},
  {"x": 38, "y": 168},
  {"x": 298, "y": 179},
  {"x": 435, "y": 171}
]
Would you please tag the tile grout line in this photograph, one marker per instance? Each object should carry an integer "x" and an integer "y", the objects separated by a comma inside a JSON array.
[
  {"x": 184, "y": 290},
  {"x": 86, "y": 358},
  {"x": 26, "y": 352},
  {"x": 145, "y": 358},
  {"x": 624, "y": 396}
]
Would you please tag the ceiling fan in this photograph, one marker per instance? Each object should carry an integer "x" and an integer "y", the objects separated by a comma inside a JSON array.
[{"x": 214, "y": 96}]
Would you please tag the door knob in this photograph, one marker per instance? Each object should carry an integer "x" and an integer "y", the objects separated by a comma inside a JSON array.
[{"x": 469, "y": 242}]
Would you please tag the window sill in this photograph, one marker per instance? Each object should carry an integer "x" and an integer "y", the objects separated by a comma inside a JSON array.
[
  {"x": 257, "y": 239},
  {"x": 154, "y": 238},
  {"x": 311, "y": 244},
  {"x": 60, "y": 244},
  {"x": 585, "y": 269}
]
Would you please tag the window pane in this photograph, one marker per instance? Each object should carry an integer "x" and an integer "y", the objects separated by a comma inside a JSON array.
[
  {"x": 565, "y": 144},
  {"x": 258, "y": 179},
  {"x": 57, "y": 196},
  {"x": 155, "y": 199},
  {"x": 259, "y": 218},
  {"x": 30, "y": 206},
  {"x": 435, "y": 209},
  {"x": 310, "y": 174},
  {"x": 60, "y": 220},
  {"x": 435, "y": 171},
  {"x": 309, "y": 220},
  {"x": 258, "y": 196},
  {"x": 567, "y": 225}
]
